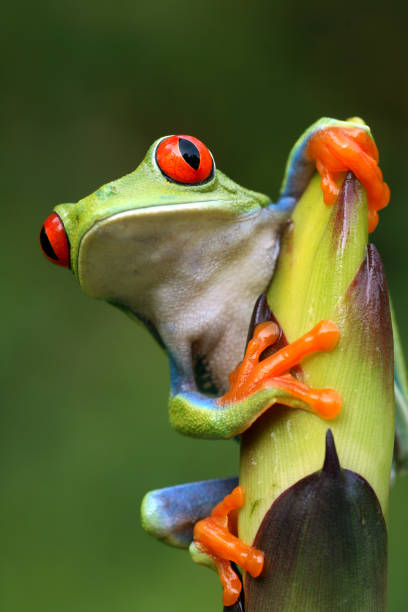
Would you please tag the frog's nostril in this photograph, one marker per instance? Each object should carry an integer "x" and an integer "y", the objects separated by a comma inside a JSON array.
[{"x": 54, "y": 241}]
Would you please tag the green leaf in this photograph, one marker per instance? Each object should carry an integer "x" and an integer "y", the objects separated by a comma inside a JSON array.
[{"x": 401, "y": 404}]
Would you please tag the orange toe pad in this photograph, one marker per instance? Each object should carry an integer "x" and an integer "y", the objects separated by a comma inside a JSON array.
[
  {"x": 215, "y": 538},
  {"x": 255, "y": 373},
  {"x": 339, "y": 149}
]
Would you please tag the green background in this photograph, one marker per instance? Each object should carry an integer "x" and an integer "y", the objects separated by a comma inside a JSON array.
[{"x": 87, "y": 87}]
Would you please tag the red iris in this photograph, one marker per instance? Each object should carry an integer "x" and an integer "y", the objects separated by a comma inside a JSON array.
[
  {"x": 184, "y": 159},
  {"x": 54, "y": 241}
]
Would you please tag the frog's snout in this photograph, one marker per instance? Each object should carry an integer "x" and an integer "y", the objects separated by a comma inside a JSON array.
[{"x": 54, "y": 241}]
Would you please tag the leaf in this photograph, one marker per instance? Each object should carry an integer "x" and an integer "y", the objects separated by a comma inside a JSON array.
[{"x": 401, "y": 404}]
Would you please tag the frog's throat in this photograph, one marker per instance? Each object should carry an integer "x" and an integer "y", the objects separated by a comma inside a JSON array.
[{"x": 193, "y": 273}]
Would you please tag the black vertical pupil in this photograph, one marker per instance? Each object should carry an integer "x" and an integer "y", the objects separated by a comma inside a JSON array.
[
  {"x": 190, "y": 153},
  {"x": 46, "y": 244}
]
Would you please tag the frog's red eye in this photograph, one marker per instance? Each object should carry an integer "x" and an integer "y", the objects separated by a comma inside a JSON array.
[
  {"x": 185, "y": 159},
  {"x": 54, "y": 241}
]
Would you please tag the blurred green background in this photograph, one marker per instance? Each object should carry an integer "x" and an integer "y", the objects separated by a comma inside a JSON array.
[{"x": 87, "y": 87}]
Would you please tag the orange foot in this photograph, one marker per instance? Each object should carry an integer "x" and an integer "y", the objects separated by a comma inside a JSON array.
[
  {"x": 339, "y": 149},
  {"x": 214, "y": 537},
  {"x": 253, "y": 374}
]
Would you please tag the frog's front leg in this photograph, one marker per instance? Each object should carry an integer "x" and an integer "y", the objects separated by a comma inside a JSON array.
[
  {"x": 257, "y": 384},
  {"x": 333, "y": 147}
]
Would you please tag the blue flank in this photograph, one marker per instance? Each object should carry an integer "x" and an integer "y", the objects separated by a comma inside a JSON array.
[{"x": 170, "y": 514}]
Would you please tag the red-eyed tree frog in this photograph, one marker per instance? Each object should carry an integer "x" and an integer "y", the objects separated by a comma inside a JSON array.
[{"x": 187, "y": 251}]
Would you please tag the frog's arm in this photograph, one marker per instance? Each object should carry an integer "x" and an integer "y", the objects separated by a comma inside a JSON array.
[
  {"x": 332, "y": 147},
  {"x": 193, "y": 414},
  {"x": 256, "y": 384},
  {"x": 401, "y": 403},
  {"x": 170, "y": 514}
]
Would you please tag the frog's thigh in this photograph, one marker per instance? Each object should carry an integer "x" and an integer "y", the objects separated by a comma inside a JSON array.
[{"x": 170, "y": 514}]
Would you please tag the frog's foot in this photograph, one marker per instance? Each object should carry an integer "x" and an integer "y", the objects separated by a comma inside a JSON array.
[
  {"x": 339, "y": 149},
  {"x": 254, "y": 373},
  {"x": 213, "y": 536}
]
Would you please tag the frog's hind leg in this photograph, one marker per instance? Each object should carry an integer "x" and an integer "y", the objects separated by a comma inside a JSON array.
[
  {"x": 215, "y": 536},
  {"x": 170, "y": 514}
]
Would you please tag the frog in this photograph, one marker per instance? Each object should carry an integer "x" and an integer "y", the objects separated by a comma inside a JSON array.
[{"x": 187, "y": 252}]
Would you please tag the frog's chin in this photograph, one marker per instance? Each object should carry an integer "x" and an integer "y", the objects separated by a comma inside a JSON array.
[{"x": 122, "y": 257}]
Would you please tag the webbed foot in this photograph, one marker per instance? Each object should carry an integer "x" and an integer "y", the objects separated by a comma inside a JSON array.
[
  {"x": 254, "y": 373},
  {"x": 339, "y": 149},
  {"x": 214, "y": 536}
]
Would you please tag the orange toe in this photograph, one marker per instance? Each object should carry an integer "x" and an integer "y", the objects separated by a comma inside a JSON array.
[
  {"x": 339, "y": 149},
  {"x": 254, "y": 374},
  {"x": 214, "y": 537}
]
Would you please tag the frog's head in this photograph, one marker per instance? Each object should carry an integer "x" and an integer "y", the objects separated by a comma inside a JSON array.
[{"x": 176, "y": 200}]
